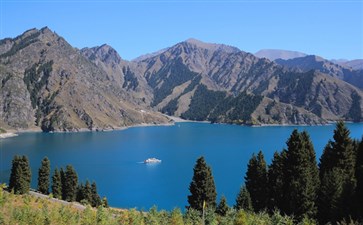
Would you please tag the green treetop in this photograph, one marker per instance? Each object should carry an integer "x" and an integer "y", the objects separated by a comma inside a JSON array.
[{"x": 202, "y": 187}]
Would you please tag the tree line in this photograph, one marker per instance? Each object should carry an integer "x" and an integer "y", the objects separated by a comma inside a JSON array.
[
  {"x": 64, "y": 186},
  {"x": 294, "y": 183}
]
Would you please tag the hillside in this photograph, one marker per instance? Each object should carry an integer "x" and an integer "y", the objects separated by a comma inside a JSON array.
[
  {"x": 47, "y": 83},
  {"x": 30, "y": 210}
]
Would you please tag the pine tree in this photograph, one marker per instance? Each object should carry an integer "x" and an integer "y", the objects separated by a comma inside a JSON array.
[
  {"x": 43, "y": 176},
  {"x": 276, "y": 181},
  {"x": 256, "y": 181},
  {"x": 359, "y": 176},
  {"x": 57, "y": 184},
  {"x": 70, "y": 184},
  {"x": 26, "y": 174},
  {"x": 222, "y": 207},
  {"x": 105, "y": 202},
  {"x": 300, "y": 191},
  {"x": 202, "y": 187},
  {"x": 80, "y": 194},
  {"x": 15, "y": 173},
  {"x": 330, "y": 196},
  {"x": 339, "y": 154},
  {"x": 20, "y": 176},
  {"x": 63, "y": 182},
  {"x": 243, "y": 200},
  {"x": 95, "y": 198}
]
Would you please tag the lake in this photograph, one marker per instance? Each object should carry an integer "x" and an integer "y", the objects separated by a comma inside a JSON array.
[{"x": 114, "y": 159}]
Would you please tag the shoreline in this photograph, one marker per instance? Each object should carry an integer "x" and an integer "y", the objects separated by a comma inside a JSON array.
[{"x": 173, "y": 120}]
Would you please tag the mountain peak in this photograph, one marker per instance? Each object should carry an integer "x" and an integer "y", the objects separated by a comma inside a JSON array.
[
  {"x": 104, "y": 52},
  {"x": 211, "y": 46}
]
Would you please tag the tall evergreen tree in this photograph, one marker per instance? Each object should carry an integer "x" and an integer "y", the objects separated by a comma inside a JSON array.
[
  {"x": 339, "y": 154},
  {"x": 15, "y": 173},
  {"x": 70, "y": 184},
  {"x": 300, "y": 191},
  {"x": 57, "y": 184},
  {"x": 20, "y": 176},
  {"x": 222, "y": 207},
  {"x": 95, "y": 198},
  {"x": 80, "y": 193},
  {"x": 202, "y": 187},
  {"x": 256, "y": 181},
  {"x": 276, "y": 181},
  {"x": 62, "y": 174},
  {"x": 330, "y": 196},
  {"x": 243, "y": 200},
  {"x": 43, "y": 176},
  {"x": 359, "y": 176}
]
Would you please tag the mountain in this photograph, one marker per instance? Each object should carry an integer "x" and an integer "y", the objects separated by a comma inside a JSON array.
[
  {"x": 47, "y": 83},
  {"x": 312, "y": 62},
  {"x": 201, "y": 81},
  {"x": 356, "y": 64},
  {"x": 273, "y": 54}
]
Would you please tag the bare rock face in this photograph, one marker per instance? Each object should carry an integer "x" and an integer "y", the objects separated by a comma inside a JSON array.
[{"x": 47, "y": 83}]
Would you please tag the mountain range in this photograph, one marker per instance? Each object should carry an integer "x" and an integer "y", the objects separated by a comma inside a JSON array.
[{"x": 46, "y": 83}]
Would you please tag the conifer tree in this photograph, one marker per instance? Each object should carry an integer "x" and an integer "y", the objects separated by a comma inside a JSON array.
[
  {"x": 15, "y": 173},
  {"x": 57, "y": 184},
  {"x": 300, "y": 191},
  {"x": 95, "y": 198},
  {"x": 256, "y": 181},
  {"x": 330, "y": 196},
  {"x": 80, "y": 194},
  {"x": 276, "y": 181},
  {"x": 105, "y": 202},
  {"x": 202, "y": 187},
  {"x": 359, "y": 188},
  {"x": 70, "y": 184},
  {"x": 222, "y": 207},
  {"x": 63, "y": 182},
  {"x": 43, "y": 176},
  {"x": 339, "y": 154},
  {"x": 20, "y": 176},
  {"x": 243, "y": 200}
]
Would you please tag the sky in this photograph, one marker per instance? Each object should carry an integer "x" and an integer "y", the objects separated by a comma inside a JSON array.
[{"x": 332, "y": 29}]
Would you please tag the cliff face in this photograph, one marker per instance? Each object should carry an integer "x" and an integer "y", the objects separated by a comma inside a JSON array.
[{"x": 47, "y": 83}]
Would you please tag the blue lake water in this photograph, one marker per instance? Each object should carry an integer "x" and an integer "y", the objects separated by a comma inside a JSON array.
[{"x": 112, "y": 159}]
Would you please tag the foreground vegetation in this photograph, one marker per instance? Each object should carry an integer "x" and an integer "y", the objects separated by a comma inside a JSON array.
[{"x": 27, "y": 209}]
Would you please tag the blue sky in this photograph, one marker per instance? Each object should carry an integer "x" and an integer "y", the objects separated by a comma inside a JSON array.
[{"x": 331, "y": 29}]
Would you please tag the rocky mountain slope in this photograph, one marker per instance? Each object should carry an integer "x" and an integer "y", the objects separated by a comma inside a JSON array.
[
  {"x": 47, "y": 83},
  {"x": 219, "y": 83}
]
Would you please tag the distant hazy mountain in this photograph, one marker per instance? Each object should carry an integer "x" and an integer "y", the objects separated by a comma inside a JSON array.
[
  {"x": 45, "y": 82},
  {"x": 356, "y": 64},
  {"x": 312, "y": 62},
  {"x": 273, "y": 54}
]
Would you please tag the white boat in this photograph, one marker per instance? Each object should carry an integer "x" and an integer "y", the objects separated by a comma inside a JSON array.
[{"x": 152, "y": 160}]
